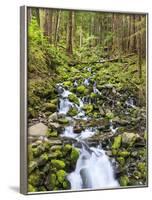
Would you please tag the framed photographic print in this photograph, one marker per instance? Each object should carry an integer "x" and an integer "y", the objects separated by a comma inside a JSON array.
[{"x": 83, "y": 100}]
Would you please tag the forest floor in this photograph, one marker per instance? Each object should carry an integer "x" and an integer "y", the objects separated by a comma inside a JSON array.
[{"x": 114, "y": 103}]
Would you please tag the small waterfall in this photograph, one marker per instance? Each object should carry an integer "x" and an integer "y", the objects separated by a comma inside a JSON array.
[
  {"x": 87, "y": 82},
  {"x": 130, "y": 102},
  {"x": 93, "y": 167},
  {"x": 95, "y": 90},
  {"x": 93, "y": 170}
]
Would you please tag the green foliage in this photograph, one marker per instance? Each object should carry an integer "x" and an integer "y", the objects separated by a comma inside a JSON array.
[
  {"x": 59, "y": 164},
  {"x": 117, "y": 142}
]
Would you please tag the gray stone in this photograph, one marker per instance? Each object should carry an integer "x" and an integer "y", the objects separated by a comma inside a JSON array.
[
  {"x": 54, "y": 125},
  {"x": 127, "y": 138},
  {"x": 53, "y": 117},
  {"x": 39, "y": 129}
]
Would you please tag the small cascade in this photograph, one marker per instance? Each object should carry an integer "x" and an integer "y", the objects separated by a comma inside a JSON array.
[
  {"x": 93, "y": 167},
  {"x": 87, "y": 82},
  {"x": 93, "y": 170},
  {"x": 130, "y": 103}
]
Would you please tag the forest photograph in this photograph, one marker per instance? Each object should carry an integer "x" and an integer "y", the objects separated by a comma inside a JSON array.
[{"x": 87, "y": 100}]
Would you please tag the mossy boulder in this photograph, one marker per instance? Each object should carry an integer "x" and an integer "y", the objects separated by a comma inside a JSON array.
[
  {"x": 63, "y": 121},
  {"x": 32, "y": 166},
  {"x": 50, "y": 107},
  {"x": 31, "y": 188},
  {"x": 129, "y": 138},
  {"x": 61, "y": 175},
  {"x": 74, "y": 155},
  {"x": 124, "y": 180},
  {"x": 82, "y": 90},
  {"x": 51, "y": 133},
  {"x": 59, "y": 164},
  {"x": 73, "y": 111},
  {"x": 141, "y": 167},
  {"x": 73, "y": 98},
  {"x": 88, "y": 108},
  {"x": 67, "y": 148},
  {"x": 109, "y": 115},
  {"x": 117, "y": 142},
  {"x": 37, "y": 151},
  {"x": 124, "y": 153},
  {"x": 121, "y": 161},
  {"x": 36, "y": 178},
  {"x": 43, "y": 159},
  {"x": 67, "y": 84},
  {"x": 53, "y": 180}
]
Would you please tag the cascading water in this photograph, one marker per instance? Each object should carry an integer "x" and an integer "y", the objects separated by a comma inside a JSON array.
[
  {"x": 93, "y": 170},
  {"x": 93, "y": 167}
]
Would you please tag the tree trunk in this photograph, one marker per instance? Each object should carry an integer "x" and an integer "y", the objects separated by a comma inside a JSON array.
[{"x": 70, "y": 33}]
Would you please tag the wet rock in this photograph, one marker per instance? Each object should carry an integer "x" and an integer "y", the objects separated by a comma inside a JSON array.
[
  {"x": 53, "y": 117},
  {"x": 117, "y": 142},
  {"x": 59, "y": 164},
  {"x": 129, "y": 138},
  {"x": 39, "y": 129},
  {"x": 77, "y": 129},
  {"x": 55, "y": 125}
]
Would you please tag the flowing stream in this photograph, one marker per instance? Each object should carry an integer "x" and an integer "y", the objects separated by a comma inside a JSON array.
[{"x": 93, "y": 168}]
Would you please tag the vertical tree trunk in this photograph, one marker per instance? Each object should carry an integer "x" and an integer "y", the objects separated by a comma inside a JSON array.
[
  {"x": 57, "y": 27},
  {"x": 70, "y": 33}
]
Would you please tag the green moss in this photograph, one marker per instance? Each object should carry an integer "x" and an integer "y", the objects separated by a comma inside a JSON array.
[
  {"x": 37, "y": 151},
  {"x": 32, "y": 166},
  {"x": 56, "y": 154},
  {"x": 34, "y": 179},
  {"x": 67, "y": 83},
  {"x": 73, "y": 98},
  {"x": 59, "y": 164},
  {"x": 63, "y": 121},
  {"x": 82, "y": 89},
  {"x": 43, "y": 159},
  {"x": 117, "y": 142},
  {"x": 31, "y": 188},
  {"x": 72, "y": 112},
  {"x": 141, "y": 166},
  {"x": 67, "y": 148},
  {"x": 124, "y": 153},
  {"x": 50, "y": 107},
  {"x": 66, "y": 185},
  {"x": 53, "y": 180},
  {"x": 61, "y": 176},
  {"x": 124, "y": 181},
  {"x": 51, "y": 133},
  {"x": 109, "y": 115},
  {"x": 88, "y": 108},
  {"x": 121, "y": 161},
  {"x": 114, "y": 152},
  {"x": 74, "y": 155}
]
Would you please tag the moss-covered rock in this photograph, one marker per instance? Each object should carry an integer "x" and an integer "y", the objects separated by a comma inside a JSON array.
[
  {"x": 72, "y": 112},
  {"x": 32, "y": 166},
  {"x": 59, "y": 164},
  {"x": 37, "y": 151},
  {"x": 73, "y": 98},
  {"x": 43, "y": 159},
  {"x": 50, "y": 107},
  {"x": 63, "y": 121},
  {"x": 51, "y": 133},
  {"x": 74, "y": 155},
  {"x": 67, "y": 148},
  {"x": 124, "y": 181},
  {"x": 82, "y": 90},
  {"x": 36, "y": 178},
  {"x": 141, "y": 166},
  {"x": 121, "y": 161},
  {"x": 117, "y": 142},
  {"x": 123, "y": 153},
  {"x": 61, "y": 175},
  {"x": 67, "y": 84},
  {"x": 53, "y": 180},
  {"x": 129, "y": 138},
  {"x": 88, "y": 108},
  {"x": 31, "y": 188}
]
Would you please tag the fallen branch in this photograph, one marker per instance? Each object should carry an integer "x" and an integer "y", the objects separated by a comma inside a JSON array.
[{"x": 101, "y": 61}]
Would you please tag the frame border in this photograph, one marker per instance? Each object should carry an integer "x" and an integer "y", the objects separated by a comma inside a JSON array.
[{"x": 23, "y": 99}]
